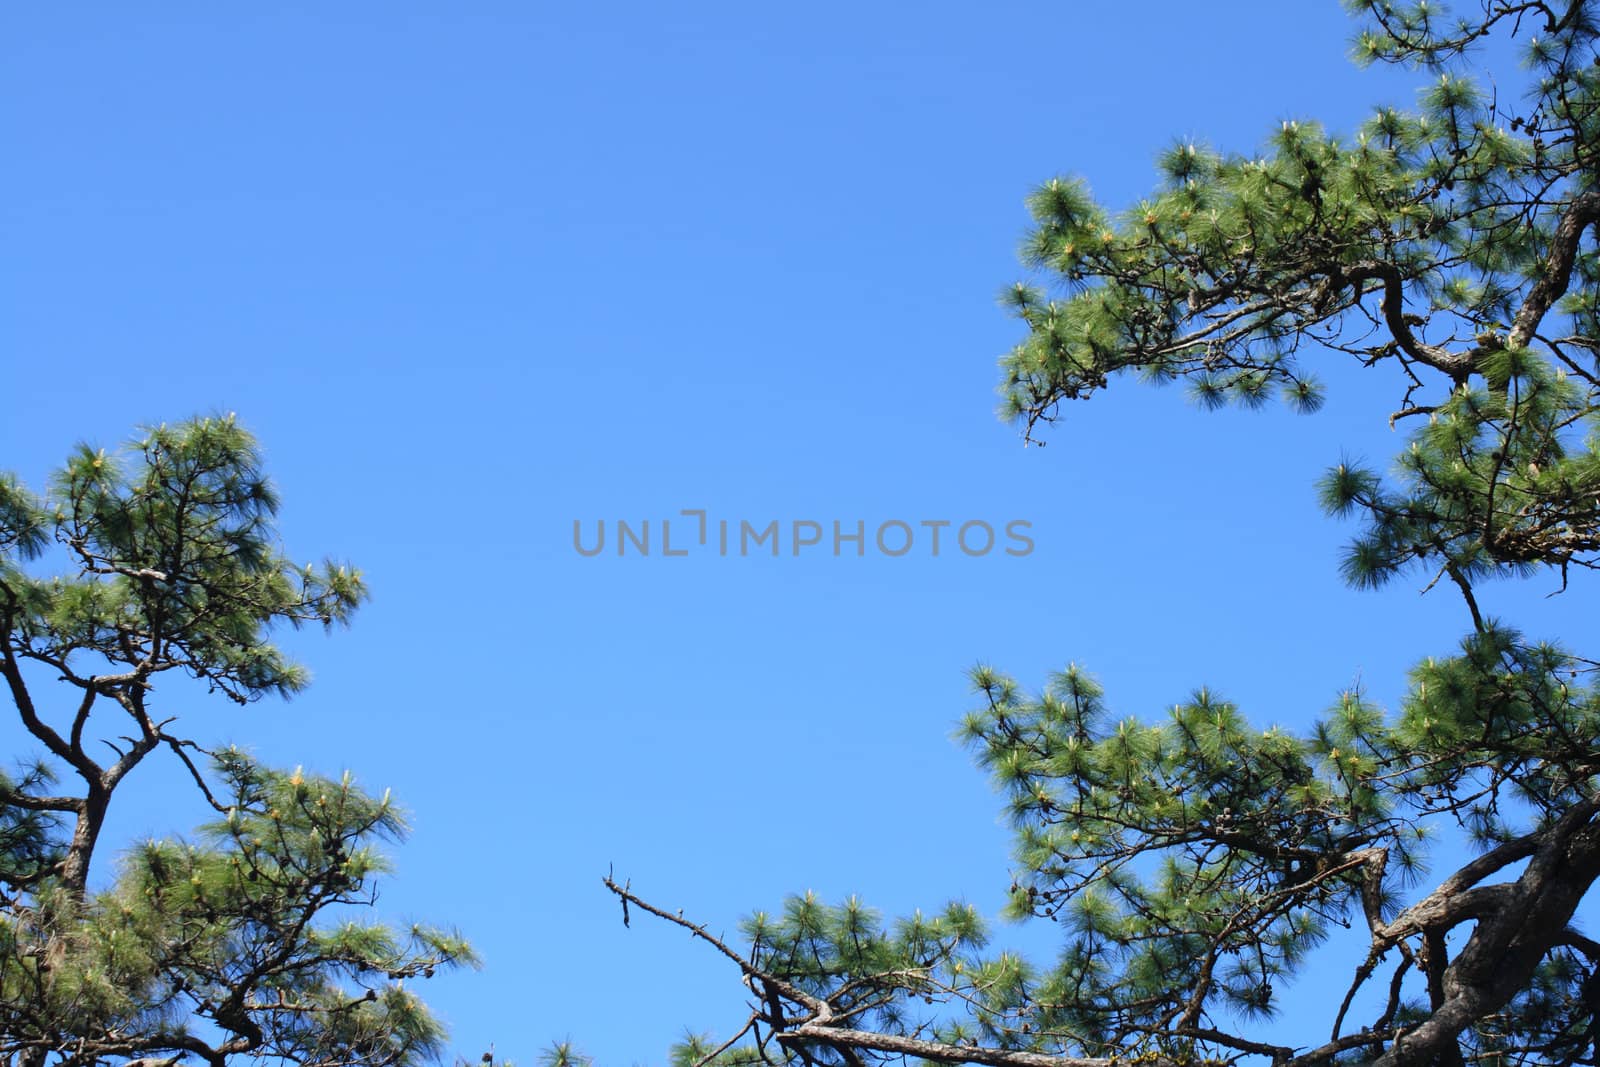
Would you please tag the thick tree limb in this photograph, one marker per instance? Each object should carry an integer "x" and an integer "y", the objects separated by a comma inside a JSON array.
[
  {"x": 1557, "y": 272},
  {"x": 1457, "y": 365}
]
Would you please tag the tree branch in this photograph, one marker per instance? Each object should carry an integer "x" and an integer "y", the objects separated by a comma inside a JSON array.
[{"x": 1557, "y": 271}]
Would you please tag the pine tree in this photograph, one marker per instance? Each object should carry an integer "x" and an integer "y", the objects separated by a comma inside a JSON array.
[
  {"x": 1196, "y": 863},
  {"x": 246, "y": 940}
]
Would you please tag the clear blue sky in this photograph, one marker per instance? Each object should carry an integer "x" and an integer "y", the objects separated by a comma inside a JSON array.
[{"x": 474, "y": 271}]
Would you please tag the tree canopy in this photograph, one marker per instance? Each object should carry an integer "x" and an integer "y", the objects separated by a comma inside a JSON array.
[
  {"x": 246, "y": 940},
  {"x": 1195, "y": 863}
]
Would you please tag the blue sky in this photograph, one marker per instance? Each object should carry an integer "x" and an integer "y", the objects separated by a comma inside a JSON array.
[{"x": 474, "y": 272}]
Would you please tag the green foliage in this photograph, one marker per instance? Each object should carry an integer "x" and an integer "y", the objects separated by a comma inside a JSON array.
[
  {"x": 1437, "y": 241},
  {"x": 846, "y": 951},
  {"x": 178, "y": 547},
  {"x": 1194, "y": 863},
  {"x": 696, "y": 1049},
  {"x": 563, "y": 1054},
  {"x": 248, "y": 939}
]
